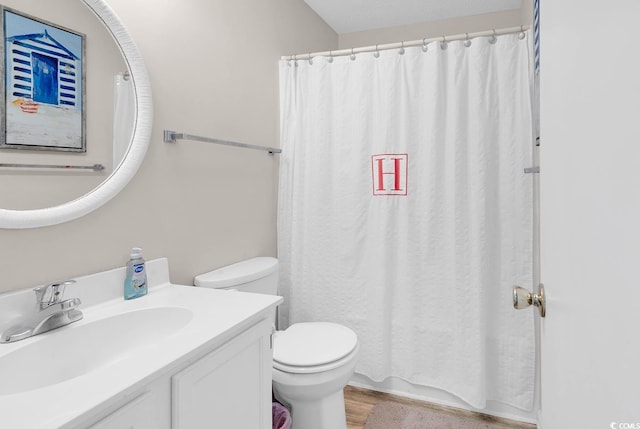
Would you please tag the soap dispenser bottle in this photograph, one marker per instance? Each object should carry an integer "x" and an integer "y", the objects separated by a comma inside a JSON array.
[{"x": 135, "y": 283}]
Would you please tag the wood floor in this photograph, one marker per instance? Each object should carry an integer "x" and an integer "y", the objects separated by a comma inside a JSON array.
[{"x": 359, "y": 402}]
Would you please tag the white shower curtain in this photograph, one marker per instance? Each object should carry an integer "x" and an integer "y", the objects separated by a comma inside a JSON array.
[
  {"x": 405, "y": 213},
  {"x": 124, "y": 109}
]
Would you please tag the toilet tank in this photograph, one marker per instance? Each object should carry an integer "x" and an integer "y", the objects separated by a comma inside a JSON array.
[{"x": 258, "y": 275}]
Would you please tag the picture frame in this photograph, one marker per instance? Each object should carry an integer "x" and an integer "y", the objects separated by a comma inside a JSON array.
[{"x": 43, "y": 90}]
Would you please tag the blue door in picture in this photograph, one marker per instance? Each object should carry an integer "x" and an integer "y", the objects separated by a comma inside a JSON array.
[{"x": 45, "y": 78}]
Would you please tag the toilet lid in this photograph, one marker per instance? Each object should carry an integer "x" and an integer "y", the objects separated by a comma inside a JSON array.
[{"x": 313, "y": 343}]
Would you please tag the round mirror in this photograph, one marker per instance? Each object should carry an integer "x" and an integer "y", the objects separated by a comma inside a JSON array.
[{"x": 117, "y": 156}]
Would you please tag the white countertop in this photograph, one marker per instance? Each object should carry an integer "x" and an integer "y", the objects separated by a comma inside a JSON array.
[{"x": 218, "y": 316}]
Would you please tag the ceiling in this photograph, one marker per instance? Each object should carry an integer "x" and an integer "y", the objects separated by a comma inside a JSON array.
[{"x": 347, "y": 16}]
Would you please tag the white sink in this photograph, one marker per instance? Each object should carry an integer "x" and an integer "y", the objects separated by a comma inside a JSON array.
[
  {"x": 121, "y": 352},
  {"x": 75, "y": 350}
]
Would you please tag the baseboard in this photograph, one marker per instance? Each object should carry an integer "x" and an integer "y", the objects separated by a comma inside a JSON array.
[{"x": 396, "y": 386}]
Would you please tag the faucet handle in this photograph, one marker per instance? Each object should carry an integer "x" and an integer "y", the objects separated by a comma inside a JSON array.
[{"x": 52, "y": 293}]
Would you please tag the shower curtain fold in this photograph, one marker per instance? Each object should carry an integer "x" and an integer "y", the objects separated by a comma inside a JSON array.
[
  {"x": 124, "y": 107},
  {"x": 405, "y": 214}
]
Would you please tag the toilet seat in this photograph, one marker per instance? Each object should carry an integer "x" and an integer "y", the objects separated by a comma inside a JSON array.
[{"x": 313, "y": 347}]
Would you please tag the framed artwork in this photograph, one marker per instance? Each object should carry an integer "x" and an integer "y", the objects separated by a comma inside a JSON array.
[{"x": 43, "y": 95}]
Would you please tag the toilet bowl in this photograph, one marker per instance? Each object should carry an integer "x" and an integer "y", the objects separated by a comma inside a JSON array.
[{"x": 312, "y": 361}]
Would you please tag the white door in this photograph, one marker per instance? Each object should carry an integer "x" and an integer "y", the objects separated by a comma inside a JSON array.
[{"x": 590, "y": 214}]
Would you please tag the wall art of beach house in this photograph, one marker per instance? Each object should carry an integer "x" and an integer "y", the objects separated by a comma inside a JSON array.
[{"x": 44, "y": 85}]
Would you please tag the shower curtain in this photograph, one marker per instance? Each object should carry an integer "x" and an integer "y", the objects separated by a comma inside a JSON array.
[
  {"x": 124, "y": 109},
  {"x": 405, "y": 212}
]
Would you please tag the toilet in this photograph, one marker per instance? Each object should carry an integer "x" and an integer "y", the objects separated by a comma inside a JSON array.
[{"x": 312, "y": 361}]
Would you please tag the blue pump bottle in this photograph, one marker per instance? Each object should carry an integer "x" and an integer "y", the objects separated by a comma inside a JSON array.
[{"x": 135, "y": 283}]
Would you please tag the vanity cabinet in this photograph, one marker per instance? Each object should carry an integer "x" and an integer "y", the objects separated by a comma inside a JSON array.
[
  {"x": 182, "y": 357},
  {"x": 227, "y": 387},
  {"x": 146, "y": 410}
]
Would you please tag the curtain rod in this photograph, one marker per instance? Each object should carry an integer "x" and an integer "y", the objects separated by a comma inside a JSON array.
[{"x": 401, "y": 45}]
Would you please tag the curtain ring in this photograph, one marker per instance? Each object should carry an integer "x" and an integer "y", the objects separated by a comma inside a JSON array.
[
  {"x": 425, "y": 48},
  {"x": 330, "y": 59},
  {"x": 295, "y": 60},
  {"x": 443, "y": 44},
  {"x": 493, "y": 38},
  {"x": 310, "y": 59},
  {"x": 401, "y": 50},
  {"x": 352, "y": 56},
  {"x": 467, "y": 42},
  {"x": 522, "y": 34},
  {"x": 376, "y": 53}
]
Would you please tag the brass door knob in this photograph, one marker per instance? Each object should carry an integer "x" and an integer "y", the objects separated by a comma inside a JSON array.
[{"x": 522, "y": 298}]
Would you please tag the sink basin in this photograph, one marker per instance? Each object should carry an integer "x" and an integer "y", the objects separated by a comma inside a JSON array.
[{"x": 72, "y": 351}]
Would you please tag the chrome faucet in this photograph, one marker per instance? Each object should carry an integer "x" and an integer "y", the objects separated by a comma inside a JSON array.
[{"x": 51, "y": 313}]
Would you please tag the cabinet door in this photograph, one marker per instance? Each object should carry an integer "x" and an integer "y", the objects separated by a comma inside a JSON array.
[
  {"x": 146, "y": 411},
  {"x": 228, "y": 388}
]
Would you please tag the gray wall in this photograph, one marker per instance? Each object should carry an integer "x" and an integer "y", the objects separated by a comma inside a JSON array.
[
  {"x": 214, "y": 72},
  {"x": 213, "y": 67},
  {"x": 467, "y": 24}
]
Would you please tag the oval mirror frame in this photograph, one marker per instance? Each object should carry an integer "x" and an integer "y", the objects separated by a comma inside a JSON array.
[{"x": 141, "y": 136}]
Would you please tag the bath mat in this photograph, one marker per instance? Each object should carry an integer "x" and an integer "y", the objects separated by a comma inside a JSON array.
[{"x": 388, "y": 415}]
